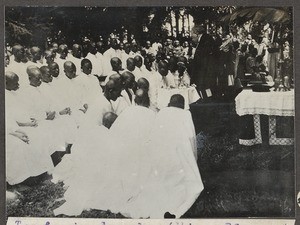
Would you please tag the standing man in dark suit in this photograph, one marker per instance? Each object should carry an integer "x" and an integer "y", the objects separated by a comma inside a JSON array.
[{"x": 202, "y": 70}]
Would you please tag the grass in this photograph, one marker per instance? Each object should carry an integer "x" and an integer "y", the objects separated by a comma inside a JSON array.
[{"x": 239, "y": 181}]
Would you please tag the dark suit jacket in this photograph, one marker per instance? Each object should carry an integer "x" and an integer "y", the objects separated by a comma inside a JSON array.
[{"x": 202, "y": 65}]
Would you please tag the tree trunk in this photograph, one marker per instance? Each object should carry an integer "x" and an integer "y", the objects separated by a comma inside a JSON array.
[{"x": 177, "y": 22}]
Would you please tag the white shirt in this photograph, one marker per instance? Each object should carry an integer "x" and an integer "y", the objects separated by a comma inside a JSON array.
[{"x": 96, "y": 63}]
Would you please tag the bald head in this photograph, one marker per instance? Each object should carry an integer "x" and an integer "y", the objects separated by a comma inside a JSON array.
[
  {"x": 86, "y": 66},
  {"x": 116, "y": 64},
  {"x": 138, "y": 61},
  {"x": 11, "y": 81},
  {"x": 117, "y": 78},
  {"x": 148, "y": 63},
  {"x": 142, "y": 98},
  {"x": 108, "y": 119},
  {"x": 17, "y": 47},
  {"x": 111, "y": 90},
  {"x": 45, "y": 74},
  {"x": 177, "y": 101},
  {"x": 63, "y": 50},
  {"x": 114, "y": 43},
  {"x": 35, "y": 53},
  {"x": 143, "y": 84},
  {"x": 55, "y": 47},
  {"x": 70, "y": 69},
  {"x": 18, "y": 52},
  {"x": 163, "y": 68},
  {"x": 49, "y": 56},
  {"x": 130, "y": 63},
  {"x": 54, "y": 69},
  {"x": 31, "y": 67},
  {"x": 127, "y": 48},
  {"x": 34, "y": 75},
  {"x": 76, "y": 50},
  {"x": 128, "y": 79}
]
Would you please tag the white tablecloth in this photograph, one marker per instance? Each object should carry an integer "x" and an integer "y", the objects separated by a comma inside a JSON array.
[
  {"x": 268, "y": 103},
  {"x": 190, "y": 96}
]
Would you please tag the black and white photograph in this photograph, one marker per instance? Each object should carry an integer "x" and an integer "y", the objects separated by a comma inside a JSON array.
[{"x": 149, "y": 112}]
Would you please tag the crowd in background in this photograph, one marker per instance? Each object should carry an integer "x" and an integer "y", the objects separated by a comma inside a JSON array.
[{"x": 228, "y": 57}]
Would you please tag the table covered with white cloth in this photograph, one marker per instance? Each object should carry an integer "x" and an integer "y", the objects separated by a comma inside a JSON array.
[
  {"x": 273, "y": 104},
  {"x": 190, "y": 95}
]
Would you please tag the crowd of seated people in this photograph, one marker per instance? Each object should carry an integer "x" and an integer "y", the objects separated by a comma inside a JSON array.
[
  {"x": 105, "y": 119},
  {"x": 99, "y": 105}
]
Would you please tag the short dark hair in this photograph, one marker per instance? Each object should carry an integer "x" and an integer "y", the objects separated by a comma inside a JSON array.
[{"x": 177, "y": 101}]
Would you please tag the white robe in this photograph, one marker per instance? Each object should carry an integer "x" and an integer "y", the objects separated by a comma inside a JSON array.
[
  {"x": 60, "y": 62},
  {"x": 20, "y": 70},
  {"x": 76, "y": 61},
  {"x": 96, "y": 61},
  {"x": 174, "y": 182},
  {"x": 119, "y": 105},
  {"x": 127, "y": 98},
  {"x": 87, "y": 172},
  {"x": 109, "y": 180},
  {"x": 107, "y": 56},
  {"x": 143, "y": 168},
  {"x": 25, "y": 160}
]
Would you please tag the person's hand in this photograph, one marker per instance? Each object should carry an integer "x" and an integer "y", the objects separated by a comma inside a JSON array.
[
  {"x": 21, "y": 135},
  {"x": 33, "y": 122},
  {"x": 50, "y": 115},
  {"x": 66, "y": 111},
  {"x": 193, "y": 85},
  {"x": 85, "y": 108}
]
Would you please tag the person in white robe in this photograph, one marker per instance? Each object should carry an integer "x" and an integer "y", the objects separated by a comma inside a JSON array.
[
  {"x": 96, "y": 61},
  {"x": 165, "y": 77},
  {"x": 110, "y": 53},
  {"x": 184, "y": 79},
  {"x": 125, "y": 54},
  {"x": 89, "y": 82},
  {"x": 122, "y": 179},
  {"x": 174, "y": 182},
  {"x": 130, "y": 67},
  {"x": 139, "y": 67},
  {"x": 62, "y": 57},
  {"x": 36, "y": 57},
  {"x": 17, "y": 66},
  {"x": 26, "y": 156},
  {"x": 76, "y": 55},
  {"x": 49, "y": 56},
  {"x": 116, "y": 68},
  {"x": 60, "y": 125},
  {"x": 16, "y": 140},
  {"x": 93, "y": 117},
  {"x": 135, "y": 50},
  {"x": 72, "y": 99},
  {"x": 113, "y": 92},
  {"x": 128, "y": 80},
  {"x": 144, "y": 84},
  {"x": 85, "y": 180}
]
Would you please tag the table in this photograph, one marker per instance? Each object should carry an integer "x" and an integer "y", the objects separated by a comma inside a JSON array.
[
  {"x": 190, "y": 95},
  {"x": 271, "y": 104}
]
